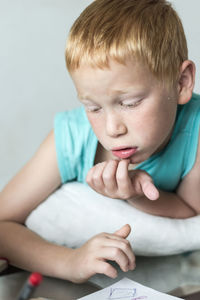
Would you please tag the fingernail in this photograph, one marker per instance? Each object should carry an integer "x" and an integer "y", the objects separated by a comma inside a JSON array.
[
  {"x": 133, "y": 266},
  {"x": 126, "y": 269}
]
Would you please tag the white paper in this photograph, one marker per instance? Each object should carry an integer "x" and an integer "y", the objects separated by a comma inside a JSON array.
[{"x": 127, "y": 289}]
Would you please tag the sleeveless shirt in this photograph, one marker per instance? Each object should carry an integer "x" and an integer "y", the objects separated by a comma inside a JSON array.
[{"x": 76, "y": 146}]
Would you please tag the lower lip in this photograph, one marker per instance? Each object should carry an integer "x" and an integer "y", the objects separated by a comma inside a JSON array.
[{"x": 124, "y": 153}]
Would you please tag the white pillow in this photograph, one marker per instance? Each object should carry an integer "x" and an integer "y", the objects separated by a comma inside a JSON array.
[{"x": 75, "y": 213}]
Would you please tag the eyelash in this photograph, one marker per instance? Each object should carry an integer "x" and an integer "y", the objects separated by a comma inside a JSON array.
[
  {"x": 131, "y": 105},
  {"x": 94, "y": 110}
]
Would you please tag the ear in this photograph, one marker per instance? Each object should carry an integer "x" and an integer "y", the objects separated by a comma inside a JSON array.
[{"x": 186, "y": 81}]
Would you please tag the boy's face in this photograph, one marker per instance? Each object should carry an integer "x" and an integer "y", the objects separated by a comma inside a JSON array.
[{"x": 127, "y": 108}]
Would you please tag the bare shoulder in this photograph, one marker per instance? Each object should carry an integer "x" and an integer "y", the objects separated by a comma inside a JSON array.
[
  {"x": 32, "y": 184},
  {"x": 189, "y": 188}
]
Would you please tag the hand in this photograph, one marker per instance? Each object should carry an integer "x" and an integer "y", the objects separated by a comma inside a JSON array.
[
  {"x": 112, "y": 179},
  {"x": 93, "y": 256}
]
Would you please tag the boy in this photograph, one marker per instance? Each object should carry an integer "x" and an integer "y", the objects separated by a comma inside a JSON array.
[
  {"x": 131, "y": 78},
  {"x": 137, "y": 88}
]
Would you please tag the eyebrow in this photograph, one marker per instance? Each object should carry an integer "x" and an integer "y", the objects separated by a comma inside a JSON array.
[
  {"x": 118, "y": 94},
  {"x": 84, "y": 97}
]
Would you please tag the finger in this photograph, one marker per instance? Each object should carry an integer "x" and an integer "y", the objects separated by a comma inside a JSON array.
[
  {"x": 94, "y": 176},
  {"x": 89, "y": 176},
  {"x": 117, "y": 242},
  {"x": 109, "y": 176},
  {"x": 126, "y": 249},
  {"x": 149, "y": 190},
  {"x": 117, "y": 255},
  {"x": 124, "y": 231},
  {"x": 102, "y": 267},
  {"x": 119, "y": 234},
  {"x": 143, "y": 184},
  {"x": 97, "y": 175},
  {"x": 123, "y": 180},
  {"x": 105, "y": 235}
]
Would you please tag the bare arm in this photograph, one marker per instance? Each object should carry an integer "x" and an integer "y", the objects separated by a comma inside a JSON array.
[
  {"x": 25, "y": 249},
  {"x": 189, "y": 188},
  {"x": 38, "y": 179},
  {"x": 185, "y": 203},
  {"x": 28, "y": 251},
  {"x": 33, "y": 184},
  {"x": 168, "y": 205},
  {"x": 113, "y": 179}
]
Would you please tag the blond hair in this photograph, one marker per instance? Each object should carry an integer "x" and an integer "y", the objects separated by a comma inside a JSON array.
[{"x": 149, "y": 31}]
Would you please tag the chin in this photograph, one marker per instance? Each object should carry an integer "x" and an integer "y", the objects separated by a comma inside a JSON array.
[{"x": 138, "y": 160}]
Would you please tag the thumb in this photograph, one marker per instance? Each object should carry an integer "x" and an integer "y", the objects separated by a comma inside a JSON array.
[
  {"x": 124, "y": 231},
  {"x": 149, "y": 190}
]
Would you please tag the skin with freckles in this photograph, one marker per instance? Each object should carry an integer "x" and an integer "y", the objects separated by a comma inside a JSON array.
[
  {"x": 133, "y": 114},
  {"x": 94, "y": 255},
  {"x": 127, "y": 107}
]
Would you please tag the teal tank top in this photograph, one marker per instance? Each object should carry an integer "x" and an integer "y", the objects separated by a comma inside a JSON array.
[{"x": 76, "y": 146}]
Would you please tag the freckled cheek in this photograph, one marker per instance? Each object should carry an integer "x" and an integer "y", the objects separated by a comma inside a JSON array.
[
  {"x": 143, "y": 132},
  {"x": 97, "y": 125},
  {"x": 139, "y": 124},
  {"x": 147, "y": 128},
  {"x": 157, "y": 128}
]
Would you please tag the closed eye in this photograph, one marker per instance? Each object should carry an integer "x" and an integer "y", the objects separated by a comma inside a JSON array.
[
  {"x": 92, "y": 108},
  {"x": 130, "y": 103}
]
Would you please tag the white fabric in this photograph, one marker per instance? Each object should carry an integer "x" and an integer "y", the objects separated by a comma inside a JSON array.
[{"x": 75, "y": 213}]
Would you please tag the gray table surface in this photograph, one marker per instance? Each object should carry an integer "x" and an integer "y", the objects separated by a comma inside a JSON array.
[
  {"x": 178, "y": 275},
  {"x": 51, "y": 288}
]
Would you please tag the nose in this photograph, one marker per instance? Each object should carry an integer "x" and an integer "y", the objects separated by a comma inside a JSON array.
[{"x": 115, "y": 126}]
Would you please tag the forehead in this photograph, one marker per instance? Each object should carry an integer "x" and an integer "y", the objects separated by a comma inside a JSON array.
[{"x": 117, "y": 77}]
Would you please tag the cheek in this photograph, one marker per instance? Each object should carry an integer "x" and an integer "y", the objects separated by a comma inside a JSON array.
[
  {"x": 97, "y": 124},
  {"x": 167, "y": 115},
  {"x": 155, "y": 123},
  {"x": 165, "y": 122}
]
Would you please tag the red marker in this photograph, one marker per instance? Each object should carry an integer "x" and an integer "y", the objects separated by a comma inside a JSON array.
[{"x": 33, "y": 281}]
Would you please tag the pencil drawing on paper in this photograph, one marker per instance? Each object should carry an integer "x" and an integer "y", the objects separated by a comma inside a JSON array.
[
  {"x": 140, "y": 298},
  {"x": 120, "y": 293},
  {"x": 124, "y": 293}
]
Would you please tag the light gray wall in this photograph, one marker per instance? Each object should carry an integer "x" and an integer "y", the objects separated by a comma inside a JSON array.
[
  {"x": 189, "y": 13},
  {"x": 33, "y": 77}
]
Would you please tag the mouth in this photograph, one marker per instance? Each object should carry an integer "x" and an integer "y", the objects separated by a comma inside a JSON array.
[{"x": 124, "y": 152}]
